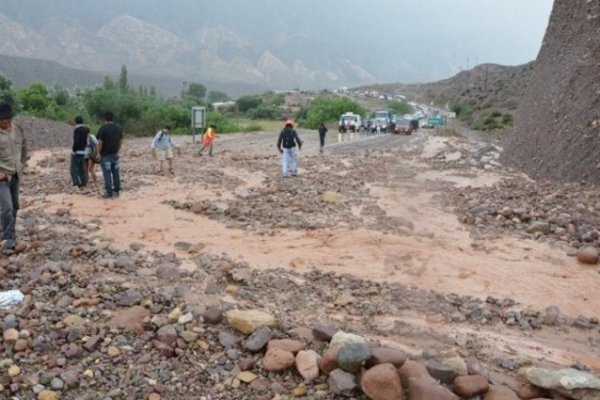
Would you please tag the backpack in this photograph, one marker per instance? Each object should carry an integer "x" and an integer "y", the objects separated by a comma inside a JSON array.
[
  {"x": 94, "y": 155},
  {"x": 288, "y": 138}
]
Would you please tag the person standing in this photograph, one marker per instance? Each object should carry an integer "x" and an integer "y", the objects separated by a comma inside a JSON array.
[
  {"x": 322, "y": 132},
  {"x": 110, "y": 138},
  {"x": 286, "y": 144},
  {"x": 208, "y": 139},
  {"x": 163, "y": 145},
  {"x": 78, "y": 163},
  {"x": 13, "y": 155},
  {"x": 91, "y": 157}
]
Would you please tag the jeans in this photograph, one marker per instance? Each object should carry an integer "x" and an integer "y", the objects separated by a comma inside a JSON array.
[
  {"x": 322, "y": 138},
  {"x": 9, "y": 205},
  {"x": 111, "y": 173},
  {"x": 78, "y": 172},
  {"x": 289, "y": 161}
]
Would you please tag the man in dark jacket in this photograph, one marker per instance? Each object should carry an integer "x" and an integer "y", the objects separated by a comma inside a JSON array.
[
  {"x": 110, "y": 138},
  {"x": 78, "y": 167},
  {"x": 13, "y": 154},
  {"x": 286, "y": 143}
]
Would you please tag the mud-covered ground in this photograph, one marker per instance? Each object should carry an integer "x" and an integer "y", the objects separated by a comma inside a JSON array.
[{"x": 422, "y": 243}]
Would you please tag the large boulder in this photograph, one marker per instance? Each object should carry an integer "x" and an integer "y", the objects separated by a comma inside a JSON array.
[{"x": 569, "y": 382}]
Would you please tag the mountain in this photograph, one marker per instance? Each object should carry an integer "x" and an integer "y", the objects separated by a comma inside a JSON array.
[{"x": 557, "y": 125}]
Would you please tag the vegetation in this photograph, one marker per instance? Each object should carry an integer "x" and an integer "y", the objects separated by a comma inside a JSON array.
[
  {"x": 400, "y": 107},
  {"x": 139, "y": 110},
  {"x": 493, "y": 120},
  {"x": 325, "y": 109}
]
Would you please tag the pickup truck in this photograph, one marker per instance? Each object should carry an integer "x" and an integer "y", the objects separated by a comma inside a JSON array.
[{"x": 349, "y": 122}]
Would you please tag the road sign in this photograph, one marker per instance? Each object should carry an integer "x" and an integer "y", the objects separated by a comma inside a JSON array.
[
  {"x": 198, "y": 117},
  {"x": 434, "y": 121}
]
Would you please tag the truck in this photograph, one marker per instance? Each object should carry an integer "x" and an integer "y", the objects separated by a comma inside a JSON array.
[{"x": 349, "y": 122}]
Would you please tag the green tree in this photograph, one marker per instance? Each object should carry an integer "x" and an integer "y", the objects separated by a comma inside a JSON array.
[
  {"x": 324, "y": 109},
  {"x": 35, "y": 98},
  {"x": 214, "y": 96},
  {"x": 60, "y": 95},
  {"x": 6, "y": 92},
  {"x": 123, "y": 84},
  {"x": 196, "y": 90},
  {"x": 108, "y": 83},
  {"x": 245, "y": 103},
  {"x": 400, "y": 107}
]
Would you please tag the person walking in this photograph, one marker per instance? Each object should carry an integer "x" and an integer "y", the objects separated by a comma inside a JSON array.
[
  {"x": 92, "y": 157},
  {"x": 13, "y": 155},
  {"x": 322, "y": 132},
  {"x": 208, "y": 139},
  {"x": 163, "y": 145},
  {"x": 78, "y": 163},
  {"x": 286, "y": 144},
  {"x": 110, "y": 139}
]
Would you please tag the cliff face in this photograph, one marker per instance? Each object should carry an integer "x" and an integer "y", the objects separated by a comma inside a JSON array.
[{"x": 557, "y": 124}]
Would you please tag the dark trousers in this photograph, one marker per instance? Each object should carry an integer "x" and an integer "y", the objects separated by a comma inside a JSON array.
[
  {"x": 111, "y": 172},
  {"x": 322, "y": 138},
  {"x": 78, "y": 174},
  {"x": 9, "y": 205}
]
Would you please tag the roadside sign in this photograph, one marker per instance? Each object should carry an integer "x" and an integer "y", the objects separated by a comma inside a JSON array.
[
  {"x": 198, "y": 120},
  {"x": 198, "y": 117},
  {"x": 434, "y": 121}
]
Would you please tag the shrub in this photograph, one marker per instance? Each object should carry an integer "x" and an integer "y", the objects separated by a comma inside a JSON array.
[
  {"x": 324, "y": 109},
  {"x": 400, "y": 107}
]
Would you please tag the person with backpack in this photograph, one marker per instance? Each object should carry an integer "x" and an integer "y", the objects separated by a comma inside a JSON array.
[
  {"x": 78, "y": 171},
  {"x": 92, "y": 157},
  {"x": 286, "y": 144},
  {"x": 163, "y": 145}
]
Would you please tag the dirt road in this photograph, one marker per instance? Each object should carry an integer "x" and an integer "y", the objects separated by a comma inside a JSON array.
[{"x": 369, "y": 207}]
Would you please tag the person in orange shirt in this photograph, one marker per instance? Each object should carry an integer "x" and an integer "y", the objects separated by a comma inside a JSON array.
[{"x": 208, "y": 139}]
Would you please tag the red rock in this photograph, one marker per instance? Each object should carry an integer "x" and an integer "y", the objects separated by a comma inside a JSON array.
[
  {"x": 528, "y": 392},
  {"x": 413, "y": 369},
  {"x": 470, "y": 385},
  {"x": 382, "y": 382},
  {"x": 384, "y": 355},
  {"x": 328, "y": 362},
  {"x": 130, "y": 318},
  {"x": 588, "y": 255},
  {"x": 290, "y": 345},
  {"x": 164, "y": 349},
  {"x": 278, "y": 360},
  {"x": 424, "y": 388},
  {"x": 498, "y": 392}
]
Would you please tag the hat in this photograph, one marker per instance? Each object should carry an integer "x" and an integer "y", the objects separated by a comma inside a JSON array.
[
  {"x": 6, "y": 110},
  {"x": 290, "y": 123}
]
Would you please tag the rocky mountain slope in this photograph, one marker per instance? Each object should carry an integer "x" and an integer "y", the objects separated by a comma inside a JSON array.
[{"x": 558, "y": 121}]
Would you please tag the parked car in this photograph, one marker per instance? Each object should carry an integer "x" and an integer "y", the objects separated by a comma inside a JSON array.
[
  {"x": 404, "y": 126},
  {"x": 349, "y": 122}
]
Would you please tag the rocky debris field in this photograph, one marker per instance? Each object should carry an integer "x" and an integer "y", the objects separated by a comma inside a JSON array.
[{"x": 104, "y": 321}]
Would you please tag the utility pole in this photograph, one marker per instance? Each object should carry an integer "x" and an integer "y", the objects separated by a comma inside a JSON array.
[{"x": 486, "y": 76}]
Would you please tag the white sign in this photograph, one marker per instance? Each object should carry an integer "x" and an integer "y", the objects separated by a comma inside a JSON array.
[{"x": 198, "y": 117}]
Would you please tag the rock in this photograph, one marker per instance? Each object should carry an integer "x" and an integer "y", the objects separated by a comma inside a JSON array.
[
  {"x": 307, "y": 364},
  {"x": 498, "y": 392},
  {"x": 246, "y": 364},
  {"x": 299, "y": 391},
  {"x": 48, "y": 395},
  {"x": 260, "y": 385},
  {"x": 324, "y": 331},
  {"x": 569, "y": 382},
  {"x": 185, "y": 319},
  {"x": 13, "y": 371},
  {"x": 154, "y": 396},
  {"x": 351, "y": 357},
  {"x": 11, "y": 336},
  {"x": 442, "y": 372},
  {"x": 258, "y": 340},
  {"x": 331, "y": 197},
  {"x": 588, "y": 255},
  {"x": 582, "y": 322},
  {"x": 290, "y": 345},
  {"x": 413, "y": 369},
  {"x": 228, "y": 339},
  {"x": 72, "y": 350},
  {"x": 528, "y": 392},
  {"x": 385, "y": 355},
  {"x": 551, "y": 315},
  {"x": 167, "y": 334},
  {"x": 539, "y": 226},
  {"x": 470, "y": 385},
  {"x": 112, "y": 351},
  {"x": 175, "y": 314},
  {"x": 246, "y": 376},
  {"x": 342, "y": 383},
  {"x": 212, "y": 315},
  {"x": 92, "y": 343},
  {"x": 73, "y": 321},
  {"x": 382, "y": 382},
  {"x": 10, "y": 322},
  {"x": 428, "y": 389},
  {"x": 278, "y": 360},
  {"x": 21, "y": 345},
  {"x": 474, "y": 367},
  {"x": 56, "y": 383},
  {"x": 342, "y": 338},
  {"x": 328, "y": 362},
  {"x": 130, "y": 319},
  {"x": 457, "y": 364},
  {"x": 164, "y": 349},
  {"x": 247, "y": 321}
]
